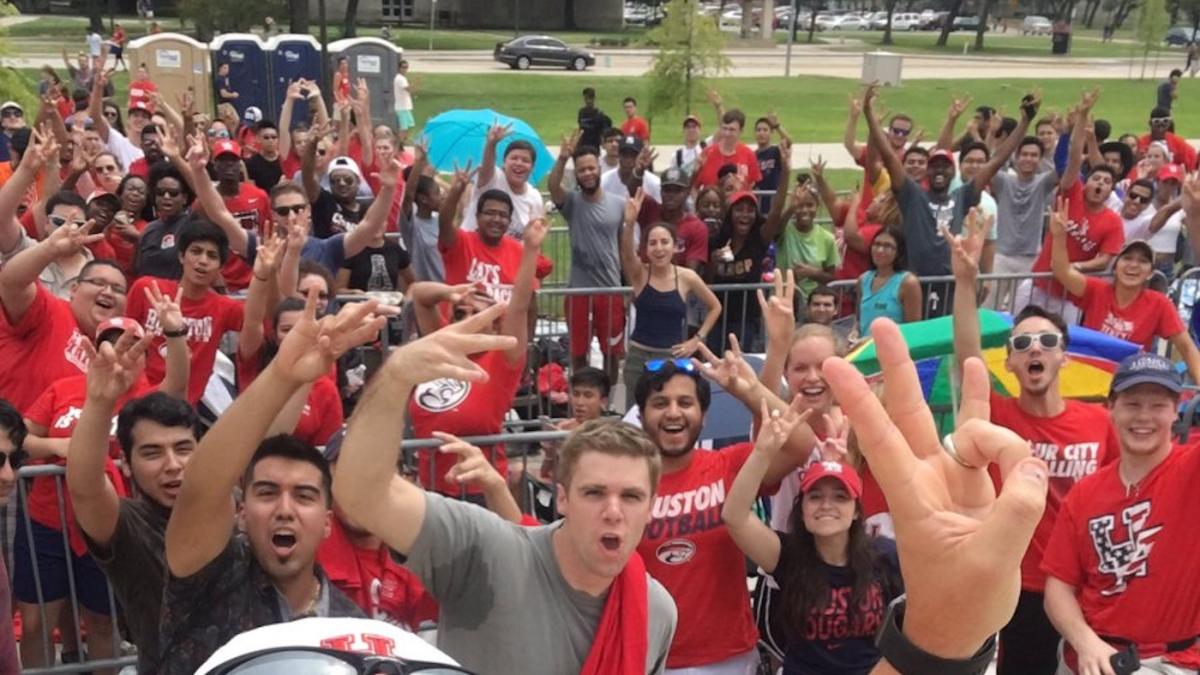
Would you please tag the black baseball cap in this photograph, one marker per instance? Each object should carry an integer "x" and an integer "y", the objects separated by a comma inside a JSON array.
[
  {"x": 630, "y": 144},
  {"x": 1146, "y": 368},
  {"x": 675, "y": 176}
]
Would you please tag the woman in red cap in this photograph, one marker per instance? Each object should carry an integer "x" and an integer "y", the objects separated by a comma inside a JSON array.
[{"x": 835, "y": 579}]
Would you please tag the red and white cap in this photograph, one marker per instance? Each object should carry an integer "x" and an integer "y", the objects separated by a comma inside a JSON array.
[
  {"x": 121, "y": 323},
  {"x": 843, "y": 473},
  {"x": 1170, "y": 172},
  {"x": 141, "y": 104},
  {"x": 941, "y": 154},
  {"x": 226, "y": 147}
]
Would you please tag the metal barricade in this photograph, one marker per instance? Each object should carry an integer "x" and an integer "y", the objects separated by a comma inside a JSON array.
[{"x": 58, "y": 474}]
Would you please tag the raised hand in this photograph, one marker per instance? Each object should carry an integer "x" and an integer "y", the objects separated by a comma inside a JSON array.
[
  {"x": 1030, "y": 104},
  {"x": 958, "y": 106},
  {"x": 312, "y": 346},
  {"x": 817, "y": 168},
  {"x": 870, "y": 94},
  {"x": 1190, "y": 196},
  {"x": 44, "y": 146},
  {"x": 295, "y": 90},
  {"x": 389, "y": 173},
  {"x": 633, "y": 206},
  {"x": 775, "y": 427},
  {"x": 462, "y": 177},
  {"x": 836, "y": 445},
  {"x": 1088, "y": 100},
  {"x": 535, "y": 234},
  {"x": 446, "y": 352},
  {"x": 72, "y": 238},
  {"x": 114, "y": 367},
  {"x": 361, "y": 91},
  {"x": 170, "y": 315},
  {"x": 270, "y": 254},
  {"x": 714, "y": 97},
  {"x": 731, "y": 372},
  {"x": 967, "y": 247},
  {"x": 471, "y": 467},
  {"x": 498, "y": 133},
  {"x": 1059, "y": 217},
  {"x": 169, "y": 141},
  {"x": 568, "y": 144},
  {"x": 779, "y": 311},
  {"x": 856, "y": 105},
  {"x": 960, "y": 545},
  {"x": 646, "y": 157}
]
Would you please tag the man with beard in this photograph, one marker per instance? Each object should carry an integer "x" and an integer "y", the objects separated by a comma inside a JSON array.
[
  {"x": 691, "y": 234},
  {"x": 157, "y": 434},
  {"x": 594, "y": 217},
  {"x": 686, "y": 545},
  {"x": 632, "y": 172},
  {"x": 220, "y": 584},
  {"x": 485, "y": 255},
  {"x": 925, "y": 212},
  {"x": 1075, "y": 439},
  {"x": 1095, "y": 233},
  {"x": 336, "y": 210},
  {"x": 247, "y": 203},
  {"x": 1121, "y": 565},
  {"x": 513, "y": 179},
  {"x": 152, "y": 151}
]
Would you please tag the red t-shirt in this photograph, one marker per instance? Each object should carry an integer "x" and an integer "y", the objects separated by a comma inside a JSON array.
[
  {"x": 1131, "y": 553},
  {"x": 252, "y": 208},
  {"x": 464, "y": 409},
  {"x": 636, "y": 126},
  {"x": 207, "y": 320},
  {"x": 687, "y": 548},
  {"x": 1089, "y": 233},
  {"x": 1181, "y": 151},
  {"x": 58, "y": 409},
  {"x": 383, "y": 589},
  {"x": 853, "y": 262},
  {"x": 714, "y": 159},
  {"x": 140, "y": 168},
  {"x": 1150, "y": 315},
  {"x": 142, "y": 91},
  {"x": 471, "y": 260},
  {"x": 291, "y": 164},
  {"x": 1074, "y": 444},
  {"x": 322, "y": 414},
  {"x": 44, "y": 346},
  {"x": 691, "y": 244},
  {"x": 122, "y": 249}
]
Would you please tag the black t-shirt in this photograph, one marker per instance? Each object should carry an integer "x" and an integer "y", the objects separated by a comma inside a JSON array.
[
  {"x": 839, "y": 640},
  {"x": 745, "y": 268},
  {"x": 770, "y": 160},
  {"x": 156, "y": 254},
  {"x": 223, "y": 83},
  {"x": 375, "y": 268},
  {"x": 264, "y": 172},
  {"x": 329, "y": 217},
  {"x": 593, "y": 123},
  {"x": 135, "y": 563}
]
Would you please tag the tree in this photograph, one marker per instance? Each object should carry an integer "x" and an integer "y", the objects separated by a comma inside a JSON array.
[
  {"x": 350, "y": 22},
  {"x": 689, "y": 49},
  {"x": 1152, "y": 22},
  {"x": 228, "y": 16},
  {"x": 13, "y": 83},
  {"x": 298, "y": 22},
  {"x": 984, "y": 7},
  {"x": 955, "y": 8},
  {"x": 890, "y": 7}
]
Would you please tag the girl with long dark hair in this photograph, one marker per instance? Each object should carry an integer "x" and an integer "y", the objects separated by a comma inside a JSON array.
[
  {"x": 887, "y": 289},
  {"x": 835, "y": 579}
]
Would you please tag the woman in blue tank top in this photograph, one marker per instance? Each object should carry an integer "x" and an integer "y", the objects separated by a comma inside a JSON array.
[
  {"x": 887, "y": 289},
  {"x": 660, "y": 293}
]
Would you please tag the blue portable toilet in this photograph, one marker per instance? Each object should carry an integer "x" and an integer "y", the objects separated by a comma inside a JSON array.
[
  {"x": 293, "y": 56},
  {"x": 248, "y": 71},
  {"x": 374, "y": 60}
]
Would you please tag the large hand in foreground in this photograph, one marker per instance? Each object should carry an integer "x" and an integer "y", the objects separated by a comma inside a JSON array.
[
  {"x": 446, "y": 353},
  {"x": 960, "y": 545},
  {"x": 312, "y": 346}
]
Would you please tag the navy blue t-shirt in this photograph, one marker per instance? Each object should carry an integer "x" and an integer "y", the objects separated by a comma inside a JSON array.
[
  {"x": 839, "y": 640},
  {"x": 770, "y": 163}
]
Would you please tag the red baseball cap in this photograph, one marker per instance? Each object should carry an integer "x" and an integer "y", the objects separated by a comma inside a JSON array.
[
  {"x": 226, "y": 146},
  {"x": 941, "y": 154},
  {"x": 1170, "y": 172},
  {"x": 120, "y": 323},
  {"x": 843, "y": 473},
  {"x": 141, "y": 104},
  {"x": 743, "y": 194}
]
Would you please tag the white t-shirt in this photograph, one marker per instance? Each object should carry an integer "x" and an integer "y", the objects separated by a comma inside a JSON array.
[
  {"x": 1139, "y": 227},
  {"x": 123, "y": 148},
  {"x": 526, "y": 206},
  {"x": 400, "y": 92},
  {"x": 1167, "y": 239},
  {"x": 93, "y": 44},
  {"x": 611, "y": 183}
]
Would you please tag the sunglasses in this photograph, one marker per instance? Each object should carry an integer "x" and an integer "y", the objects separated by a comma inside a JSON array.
[
  {"x": 168, "y": 192},
  {"x": 900, "y": 132},
  {"x": 12, "y": 113},
  {"x": 218, "y": 133},
  {"x": 342, "y": 179},
  {"x": 1135, "y": 197},
  {"x": 58, "y": 221},
  {"x": 14, "y": 459},
  {"x": 111, "y": 114},
  {"x": 107, "y": 168},
  {"x": 1024, "y": 342},
  {"x": 685, "y": 365},
  {"x": 1160, "y": 121},
  {"x": 285, "y": 211}
]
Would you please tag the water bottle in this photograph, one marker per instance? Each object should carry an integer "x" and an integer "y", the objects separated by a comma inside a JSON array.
[{"x": 768, "y": 265}]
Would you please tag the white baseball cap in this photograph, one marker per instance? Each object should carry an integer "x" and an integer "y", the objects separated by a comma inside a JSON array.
[{"x": 345, "y": 163}]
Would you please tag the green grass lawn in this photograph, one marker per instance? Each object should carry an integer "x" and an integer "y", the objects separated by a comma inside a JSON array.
[
  {"x": 998, "y": 44},
  {"x": 810, "y": 107}
]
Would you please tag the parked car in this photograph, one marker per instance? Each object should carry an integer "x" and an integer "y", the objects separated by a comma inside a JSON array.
[
  {"x": 906, "y": 21},
  {"x": 1036, "y": 25},
  {"x": 1180, "y": 36},
  {"x": 877, "y": 20},
  {"x": 541, "y": 50},
  {"x": 966, "y": 23},
  {"x": 933, "y": 21},
  {"x": 849, "y": 22}
]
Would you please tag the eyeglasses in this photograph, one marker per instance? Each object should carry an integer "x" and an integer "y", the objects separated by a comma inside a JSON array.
[
  {"x": 685, "y": 365},
  {"x": 1160, "y": 121},
  {"x": 900, "y": 132},
  {"x": 168, "y": 192},
  {"x": 1135, "y": 197},
  {"x": 314, "y": 661},
  {"x": 14, "y": 459},
  {"x": 104, "y": 285},
  {"x": 496, "y": 213},
  {"x": 1024, "y": 342},
  {"x": 107, "y": 168},
  {"x": 883, "y": 245},
  {"x": 285, "y": 210},
  {"x": 58, "y": 221}
]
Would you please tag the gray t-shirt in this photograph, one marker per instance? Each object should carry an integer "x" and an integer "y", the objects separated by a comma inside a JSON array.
[
  {"x": 504, "y": 604},
  {"x": 922, "y": 214},
  {"x": 1021, "y": 211},
  {"x": 421, "y": 240},
  {"x": 594, "y": 227}
]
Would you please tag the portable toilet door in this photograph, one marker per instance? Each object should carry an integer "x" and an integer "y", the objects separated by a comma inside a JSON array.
[
  {"x": 293, "y": 56},
  {"x": 374, "y": 60},
  {"x": 248, "y": 75},
  {"x": 177, "y": 64}
]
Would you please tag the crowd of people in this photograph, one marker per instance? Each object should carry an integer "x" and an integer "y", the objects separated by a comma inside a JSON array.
[{"x": 148, "y": 246}]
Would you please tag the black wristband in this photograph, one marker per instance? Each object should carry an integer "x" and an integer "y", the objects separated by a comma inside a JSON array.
[
  {"x": 182, "y": 332},
  {"x": 909, "y": 659}
]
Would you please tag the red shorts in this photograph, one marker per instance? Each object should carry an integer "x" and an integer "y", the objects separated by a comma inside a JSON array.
[{"x": 602, "y": 316}]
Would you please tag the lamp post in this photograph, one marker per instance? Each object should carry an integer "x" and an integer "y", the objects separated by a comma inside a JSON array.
[{"x": 432, "y": 16}]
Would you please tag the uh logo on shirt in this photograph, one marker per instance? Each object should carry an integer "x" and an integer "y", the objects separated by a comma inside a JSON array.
[
  {"x": 684, "y": 513},
  {"x": 1130, "y": 558}
]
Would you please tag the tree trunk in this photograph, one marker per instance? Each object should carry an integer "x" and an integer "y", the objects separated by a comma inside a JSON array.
[
  {"x": 812, "y": 24},
  {"x": 350, "y": 24},
  {"x": 569, "y": 14},
  {"x": 95, "y": 18},
  {"x": 955, "y": 8},
  {"x": 767, "y": 29},
  {"x": 890, "y": 7},
  {"x": 985, "y": 7},
  {"x": 298, "y": 23},
  {"x": 747, "y": 19}
]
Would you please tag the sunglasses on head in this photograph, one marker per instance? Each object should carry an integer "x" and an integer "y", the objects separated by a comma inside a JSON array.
[
  {"x": 684, "y": 365},
  {"x": 1024, "y": 342},
  {"x": 285, "y": 210}
]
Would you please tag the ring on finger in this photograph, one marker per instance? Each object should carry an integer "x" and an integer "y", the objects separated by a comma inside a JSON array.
[{"x": 948, "y": 446}]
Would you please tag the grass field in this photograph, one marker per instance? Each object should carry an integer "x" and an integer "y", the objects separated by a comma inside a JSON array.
[{"x": 1084, "y": 44}]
